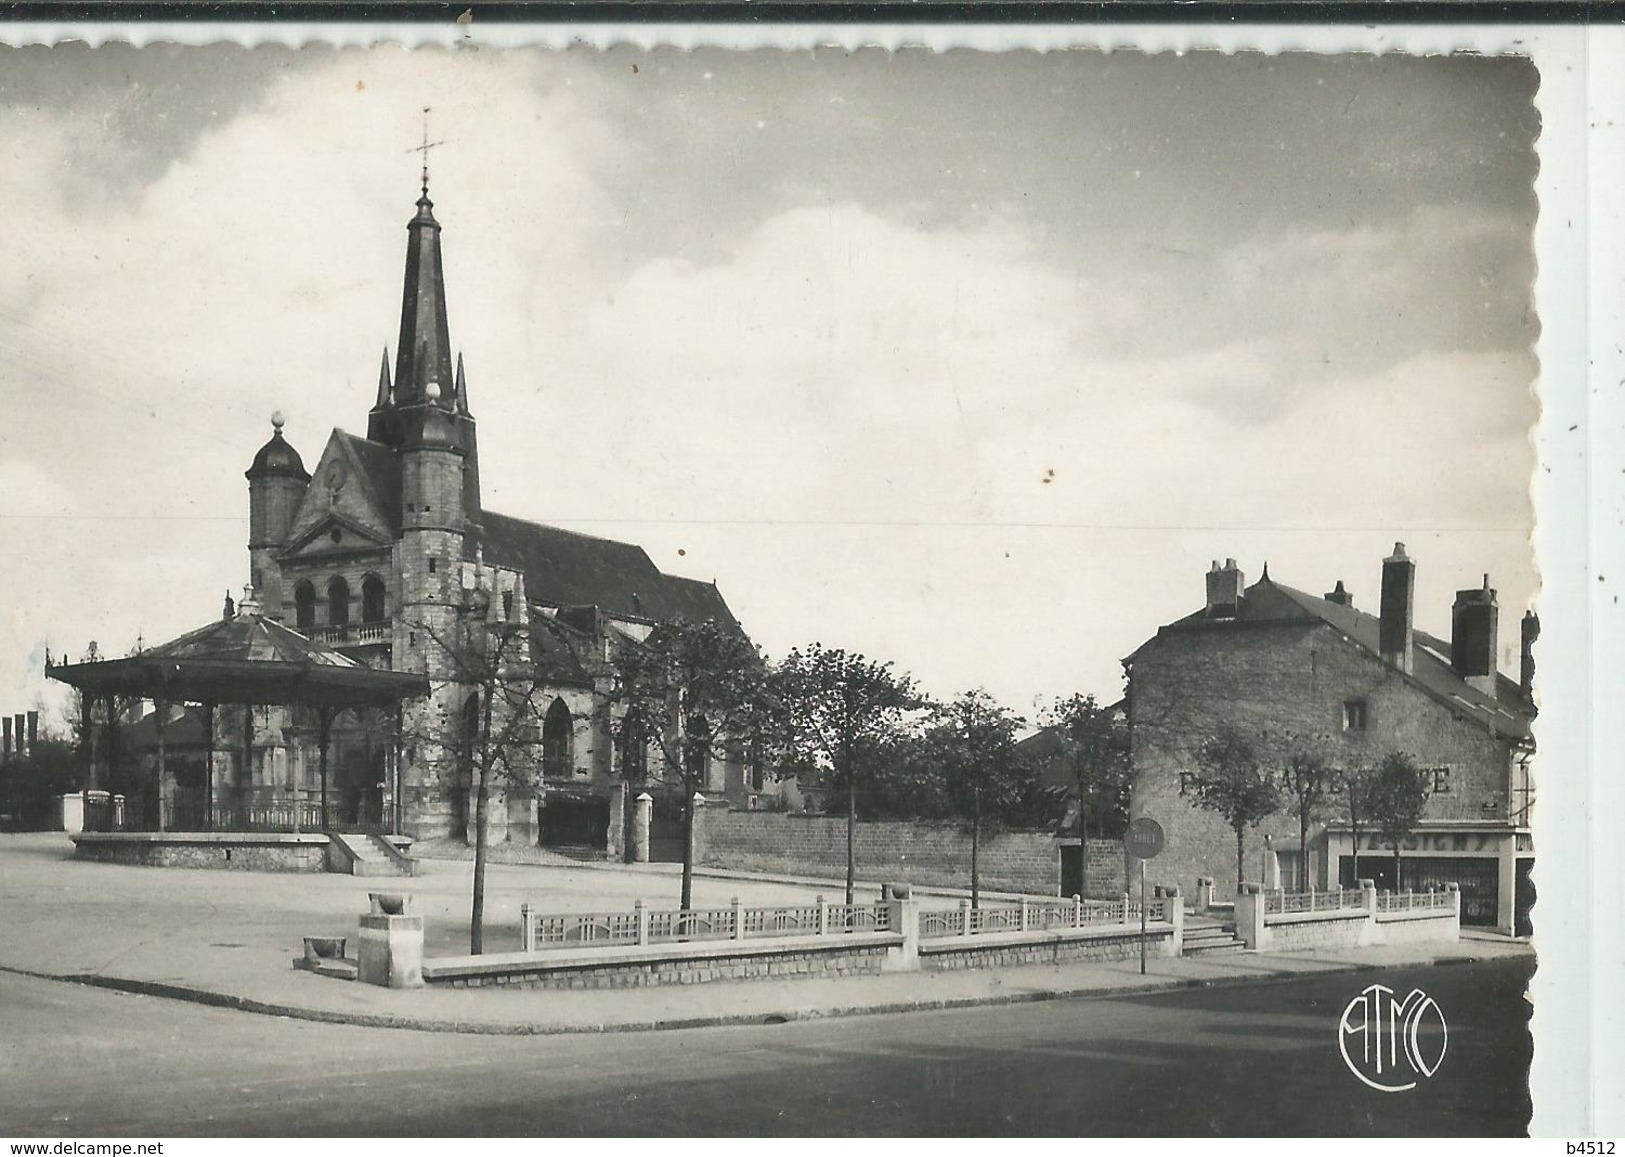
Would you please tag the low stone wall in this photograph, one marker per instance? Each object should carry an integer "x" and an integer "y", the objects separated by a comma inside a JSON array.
[
  {"x": 1002, "y": 952},
  {"x": 922, "y": 853},
  {"x": 1322, "y": 930},
  {"x": 1417, "y": 928},
  {"x": 1412, "y": 920},
  {"x": 227, "y": 851},
  {"x": 860, "y": 954}
]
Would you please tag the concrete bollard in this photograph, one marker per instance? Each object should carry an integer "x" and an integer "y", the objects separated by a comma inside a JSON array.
[
  {"x": 1204, "y": 893},
  {"x": 642, "y": 813},
  {"x": 390, "y": 948},
  {"x": 1174, "y": 905}
]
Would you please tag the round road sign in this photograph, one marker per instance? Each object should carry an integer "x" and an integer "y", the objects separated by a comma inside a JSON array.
[{"x": 1144, "y": 838}]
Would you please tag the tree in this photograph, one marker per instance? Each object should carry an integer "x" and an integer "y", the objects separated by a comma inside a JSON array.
[
  {"x": 835, "y": 713},
  {"x": 1396, "y": 799},
  {"x": 499, "y": 730},
  {"x": 1308, "y": 777},
  {"x": 973, "y": 740},
  {"x": 697, "y": 692},
  {"x": 1095, "y": 747},
  {"x": 1234, "y": 782},
  {"x": 1354, "y": 784}
]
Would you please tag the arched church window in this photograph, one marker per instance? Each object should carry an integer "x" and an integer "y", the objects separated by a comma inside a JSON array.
[
  {"x": 372, "y": 599},
  {"x": 338, "y": 602},
  {"x": 304, "y": 605},
  {"x": 556, "y": 735}
]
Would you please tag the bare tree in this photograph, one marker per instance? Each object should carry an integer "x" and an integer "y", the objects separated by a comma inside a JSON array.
[{"x": 501, "y": 742}]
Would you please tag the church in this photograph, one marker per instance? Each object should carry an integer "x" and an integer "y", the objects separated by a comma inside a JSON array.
[{"x": 384, "y": 552}]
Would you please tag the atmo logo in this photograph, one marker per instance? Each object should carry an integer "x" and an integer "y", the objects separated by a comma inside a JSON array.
[{"x": 1381, "y": 1038}]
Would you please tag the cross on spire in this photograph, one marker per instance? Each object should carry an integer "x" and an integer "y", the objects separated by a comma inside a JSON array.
[{"x": 424, "y": 149}]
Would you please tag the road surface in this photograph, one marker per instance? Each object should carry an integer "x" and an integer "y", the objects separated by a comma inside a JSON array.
[{"x": 78, "y": 1062}]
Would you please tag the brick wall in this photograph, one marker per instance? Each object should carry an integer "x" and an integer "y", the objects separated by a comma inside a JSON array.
[
  {"x": 914, "y": 852},
  {"x": 1284, "y": 678},
  {"x": 244, "y": 857}
]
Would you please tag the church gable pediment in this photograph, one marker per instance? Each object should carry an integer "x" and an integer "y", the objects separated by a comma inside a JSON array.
[
  {"x": 334, "y": 534},
  {"x": 342, "y": 495}
]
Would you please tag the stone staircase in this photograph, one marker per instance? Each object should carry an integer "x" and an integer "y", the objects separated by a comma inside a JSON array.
[
  {"x": 371, "y": 855},
  {"x": 1211, "y": 939}
]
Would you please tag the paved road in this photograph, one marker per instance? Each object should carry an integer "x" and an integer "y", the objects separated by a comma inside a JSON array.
[{"x": 79, "y": 1062}]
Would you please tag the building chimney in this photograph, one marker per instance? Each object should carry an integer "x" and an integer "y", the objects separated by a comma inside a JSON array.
[
  {"x": 1526, "y": 667},
  {"x": 1474, "y": 626},
  {"x": 1224, "y": 587},
  {"x": 249, "y": 604},
  {"x": 1340, "y": 596},
  {"x": 1398, "y": 596}
]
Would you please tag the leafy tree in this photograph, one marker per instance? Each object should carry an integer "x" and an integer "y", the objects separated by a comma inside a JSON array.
[
  {"x": 837, "y": 712},
  {"x": 1396, "y": 799},
  {"x": 1308, "y": 777},
  {"x": 1095, "y": 747},
  {"x": 973, "y": 740},
  {"x": 1354, "y": 785},
  {"x": 695, "y": 692},
  {"x": 1234, "y": 782},
  {"x": 499, "y": 731}
]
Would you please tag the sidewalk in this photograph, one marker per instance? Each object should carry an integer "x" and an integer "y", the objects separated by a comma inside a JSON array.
[{"x": 228, "y": 938}]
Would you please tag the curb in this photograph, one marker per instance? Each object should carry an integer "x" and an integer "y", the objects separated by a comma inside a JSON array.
[{"x": 213, "y": 999}]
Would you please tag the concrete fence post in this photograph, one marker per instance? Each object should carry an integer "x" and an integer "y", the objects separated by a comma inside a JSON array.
[
  {"x": 1024, "y": 914},
  {"x": 1077, "y": 911},
  {"x": 904, "y": 916},
  {"x": 642, "y": 914},
  {"x": 1250, "y": 915},
  {"x": 823, "y": 915},
  {"x": 1174, "y": 906},
  {"x": 738, "y": 919},
  {"x": 1204, "y": 893},
  {"x": 1455, "y": 909},
  {"x": 527, "y": 929},
  {"x": 1125, "y": 907},
  {"x": 964, "y": 917},
  {"x": 1369, "y": 931}
]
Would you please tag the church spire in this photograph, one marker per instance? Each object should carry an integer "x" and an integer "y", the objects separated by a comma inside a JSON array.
[{"x": 423, "y": 353}]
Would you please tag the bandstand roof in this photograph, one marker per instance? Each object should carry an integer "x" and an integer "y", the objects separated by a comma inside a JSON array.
[{"x": 246, "y": 658}]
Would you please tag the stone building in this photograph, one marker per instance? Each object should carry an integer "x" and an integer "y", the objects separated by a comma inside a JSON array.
[
  {"x": 1280, "y": 666},
  {"x": 385, "y": 551}
]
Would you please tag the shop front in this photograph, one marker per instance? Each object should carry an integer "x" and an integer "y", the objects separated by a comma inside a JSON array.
[{"x": 1490, "y": 863}]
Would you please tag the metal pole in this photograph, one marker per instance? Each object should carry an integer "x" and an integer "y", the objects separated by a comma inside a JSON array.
[{"x": 1142, "y": 917}]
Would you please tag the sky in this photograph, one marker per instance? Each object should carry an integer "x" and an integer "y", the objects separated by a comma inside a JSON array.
[{"x": 971, "y": 362}]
